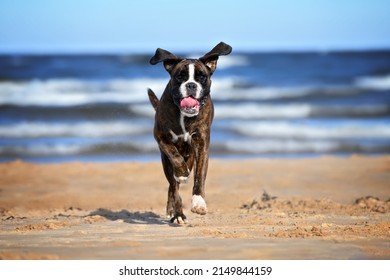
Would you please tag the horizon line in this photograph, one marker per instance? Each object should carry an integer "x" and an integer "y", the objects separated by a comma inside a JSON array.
[{"x": 117, "y": 50}]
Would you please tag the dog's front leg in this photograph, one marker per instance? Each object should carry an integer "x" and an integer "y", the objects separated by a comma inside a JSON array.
[
  {"x": 174, "y": 203},
  {"x": 181, "y": 171},
  {"x": 198, "y": 204},
  {"x": 173, "y": 164}
]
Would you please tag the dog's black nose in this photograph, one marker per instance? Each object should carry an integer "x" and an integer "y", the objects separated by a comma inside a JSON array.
[{"x": 191, "y": 86}]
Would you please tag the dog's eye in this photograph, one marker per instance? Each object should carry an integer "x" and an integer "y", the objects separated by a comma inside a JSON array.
[
  {"x": 180, "y": 77},
  {"x": 201, "y": 77}
]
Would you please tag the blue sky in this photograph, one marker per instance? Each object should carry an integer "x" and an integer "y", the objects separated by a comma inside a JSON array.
[{"x": 141, "y": 26}]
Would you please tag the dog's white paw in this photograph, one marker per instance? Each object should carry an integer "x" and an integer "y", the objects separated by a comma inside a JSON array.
[
  {"x": 181, "y": 221},
  {"x": 198, "y": 205},
  {"x": 178, "y": 219},
  {"x": 169, "y": 216}
]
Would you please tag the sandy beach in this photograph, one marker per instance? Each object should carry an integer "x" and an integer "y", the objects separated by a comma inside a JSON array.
[{"x": 317, "y": 208}]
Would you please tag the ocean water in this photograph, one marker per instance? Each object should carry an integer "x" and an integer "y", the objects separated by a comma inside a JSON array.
[{"x": 95, "y": 107}]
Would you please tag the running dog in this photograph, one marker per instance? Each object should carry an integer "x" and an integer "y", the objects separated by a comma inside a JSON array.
[{"x": 182, "y": 125}]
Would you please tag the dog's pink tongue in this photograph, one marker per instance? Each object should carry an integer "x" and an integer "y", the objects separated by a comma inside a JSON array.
[{"x": 189, "y": 102}]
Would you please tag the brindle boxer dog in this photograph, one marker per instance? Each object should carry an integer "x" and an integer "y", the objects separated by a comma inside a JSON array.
[{"x": 182, "y": 124}]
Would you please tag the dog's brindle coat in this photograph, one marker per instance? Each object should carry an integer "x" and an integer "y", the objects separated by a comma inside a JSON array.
[{"x": 182, "y": 124}]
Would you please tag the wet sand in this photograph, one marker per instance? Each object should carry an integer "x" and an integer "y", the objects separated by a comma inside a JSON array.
[{"x": 320, "y": 208}]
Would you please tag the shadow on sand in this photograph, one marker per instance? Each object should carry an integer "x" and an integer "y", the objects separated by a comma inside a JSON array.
[{"x": 147, "y": 217}]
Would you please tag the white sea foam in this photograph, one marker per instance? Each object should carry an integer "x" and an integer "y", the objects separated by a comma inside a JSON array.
[
  {"x": 288, "y": 130},
  {"x": 63, "y": 149},
  {"x": 145, "y": 110},
  {"x": 229, "y": 89},
  {"x": 81, "y": 129},
  {"x": 227, "y": 61},
  {"x": 250, "y": 111},
  {"x": 232, "y": 61},
  {"x": 76, "y": 92},
  {"x": 42, "y": 150},
  {"x": 376, "y": 83},
  {"x": 235, "y": 89},
  {"x": 73, "y": 92},
  {"x": 281, "y": 146}
]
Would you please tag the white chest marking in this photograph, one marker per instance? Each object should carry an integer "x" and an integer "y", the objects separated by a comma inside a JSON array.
[
  {"x": 183, "y": 128},
  {"x": 186, "y": 136}
]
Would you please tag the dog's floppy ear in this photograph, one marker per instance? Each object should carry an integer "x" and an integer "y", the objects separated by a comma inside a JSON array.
[
  {"x": 169, "y": 59},
  {"x": 210, "y": 59}
]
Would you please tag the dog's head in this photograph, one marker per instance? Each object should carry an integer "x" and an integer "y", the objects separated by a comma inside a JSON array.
[{"x": 190, "y": 78}]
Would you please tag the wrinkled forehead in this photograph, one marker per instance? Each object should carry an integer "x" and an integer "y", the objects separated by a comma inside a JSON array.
[{"x": 184, "y": 66}]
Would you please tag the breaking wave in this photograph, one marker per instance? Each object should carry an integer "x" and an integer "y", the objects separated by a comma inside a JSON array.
[
  {"x": 74, "y": 92},
  {"x": 375, "y": 83},
  {"x": 275, "y": 146},
  {"x": 57, "y": 93},
  {"x": 81, "y": 129},
  {"x": 362, "y": 129}
]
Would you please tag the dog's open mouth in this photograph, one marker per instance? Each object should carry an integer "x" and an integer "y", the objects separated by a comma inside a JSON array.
[{"x": 189, "y": 106}]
